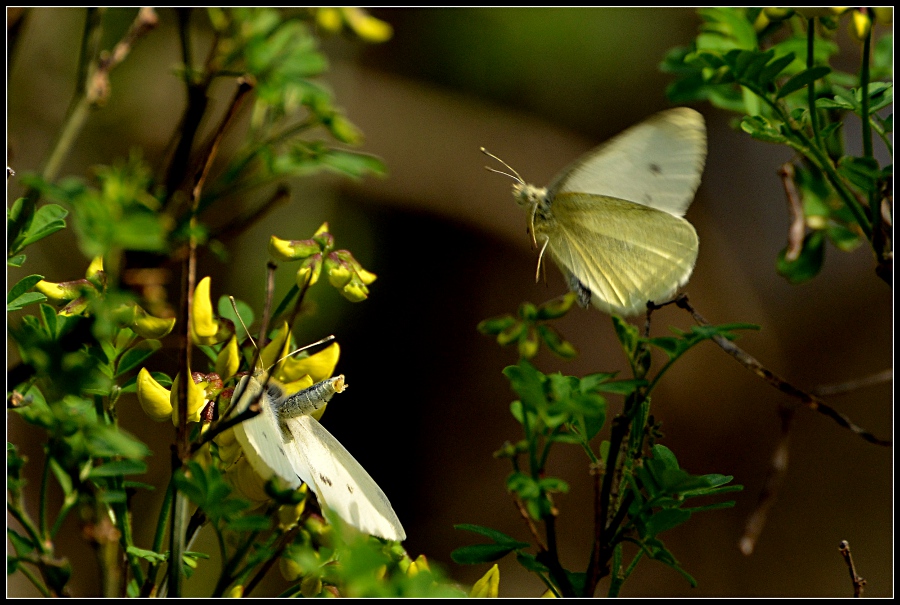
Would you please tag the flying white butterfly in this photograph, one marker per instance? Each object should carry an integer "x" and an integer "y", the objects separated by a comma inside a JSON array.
[
  {"x": 285, "y": 441},
  {"x": 612, "y": 220}
]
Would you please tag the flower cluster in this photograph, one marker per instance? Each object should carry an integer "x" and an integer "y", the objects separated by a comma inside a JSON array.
[{"x": 317, "y": 254}]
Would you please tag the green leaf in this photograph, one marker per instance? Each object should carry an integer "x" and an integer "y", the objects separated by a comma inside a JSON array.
[
  {"x": 808, "y": 264},
  {"x": 136, "y": 355},
  {"x": 21, "y": 544},
  {"x": 117, "y": 468},
  {"x": 803, "y": 79},
  {"x": 528, "y": 383},
  {"x": 495, "y": 325},
  {"x": 148, "y": 555},
  {"x": 245, "y": 311},
  {"x": 48, "y": 219},
  {"x": 16, "y": 261},
  {"x": 761, "y": 129},
  {"x": 531, "y": 563},
  {"x": 481, "y": 553},
  {"x": 773, "y": 69},
  {"x": 249, "y": 523},
  {"x": 497, "y": 536},
  {"x": 19, "y": 295}
]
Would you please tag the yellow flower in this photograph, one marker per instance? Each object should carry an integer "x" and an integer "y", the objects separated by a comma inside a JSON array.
[
  {"x": 205, "y": 329},
  {"x": 196, "y": 400},
  {"x": 154, "y": 398},
  {"x": 228, "y": 360},
  {"x": 318, "y": 366},
  {"x": 277, "y": 348},
  {"x": 367, "y": 27},
  {"x": 148, "y": 326},
  {"x": 488, "y": 585}
]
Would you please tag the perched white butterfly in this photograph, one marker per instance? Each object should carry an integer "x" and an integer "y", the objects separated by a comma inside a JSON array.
[
  {"x": 285, "y": 441},
  {"x": 612, "y": 220}
]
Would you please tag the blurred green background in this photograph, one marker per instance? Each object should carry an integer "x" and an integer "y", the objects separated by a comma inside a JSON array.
[{"x": 428, "y": 404}]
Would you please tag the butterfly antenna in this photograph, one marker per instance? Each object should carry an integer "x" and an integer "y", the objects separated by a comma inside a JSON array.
[
  {"x": 238, "y": 315},
  {"x": 514, "y": 176},
  {"x": 309, "y": 346}
]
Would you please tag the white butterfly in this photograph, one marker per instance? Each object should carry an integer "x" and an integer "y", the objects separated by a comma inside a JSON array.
[
  {"x": 612, "y": 220},
  {"x": 285, "y": 441}
]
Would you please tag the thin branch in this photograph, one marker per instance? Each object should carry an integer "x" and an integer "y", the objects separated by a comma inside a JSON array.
[
  {"x": 751, "y": 363},
  {"x": 520, "y": 506},
  {"x": 858, "y": 583},
  {"x": 774, "y": 480},
  {"x": 797, "y": 229},
  {"x": 841, "y": 388},
  {"x": 283, "y": 543}
]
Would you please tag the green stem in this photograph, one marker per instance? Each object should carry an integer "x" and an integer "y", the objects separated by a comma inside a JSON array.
[
  {"x": 811, "y": 89},
  {"x": 228, "y": 574},
  {"x": 868, "y": 152},
  {"x": 32, "y": 531},
  {"x": 42, "y": 506},
  {"x": 42, "y": 588},
  {"x": 159, "y": 536},
  {"x": 821, "y": 160}
]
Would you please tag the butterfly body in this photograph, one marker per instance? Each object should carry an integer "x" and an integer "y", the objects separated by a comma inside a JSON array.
[
  {"x": 612, "y": 221},
  {"x": 284, "y": 440}
]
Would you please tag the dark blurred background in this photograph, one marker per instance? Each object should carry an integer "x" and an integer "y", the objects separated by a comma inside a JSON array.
[{"x": 428, "y": 404}]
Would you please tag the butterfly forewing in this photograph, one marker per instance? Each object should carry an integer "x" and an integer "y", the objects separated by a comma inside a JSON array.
[
  {"x": 626, "y": 255},
  {"x": 341, "y": 483},
  {"x": 656, "y": 163}
]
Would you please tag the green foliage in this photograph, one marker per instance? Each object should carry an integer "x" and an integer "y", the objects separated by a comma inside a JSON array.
[
  {"x": 81, "y": 342},
  {"x": 640, "y": 490},
  {"x": 529, "y": 327},
  {"x": 776, "y": 75}
]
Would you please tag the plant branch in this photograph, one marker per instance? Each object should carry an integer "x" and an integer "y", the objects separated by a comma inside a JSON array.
[
  {"x": 858, "y": 583},
  {"x": 751, "y": 363},
  {"x": 774, "y": 480}
]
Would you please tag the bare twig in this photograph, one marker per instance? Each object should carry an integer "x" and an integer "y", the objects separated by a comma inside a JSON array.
[
  {"x": 841, "y": 388},
  {"x": 774, "y": 480},
  {"x": 797, "y": 229},
  {"x": 751, "y": 363},
  {"x": 520, "y": 506},
  {"x": 858, "y": 583}
]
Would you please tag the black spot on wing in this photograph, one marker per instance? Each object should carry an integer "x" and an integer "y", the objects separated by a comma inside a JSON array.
[
  {"x": 655, "y": 168},
  {"x": 325, "y": 479},
  {"x": 349, "y": 488}
]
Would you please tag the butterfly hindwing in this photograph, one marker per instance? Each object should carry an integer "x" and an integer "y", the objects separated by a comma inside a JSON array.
[{"x": 624, "y": 253}]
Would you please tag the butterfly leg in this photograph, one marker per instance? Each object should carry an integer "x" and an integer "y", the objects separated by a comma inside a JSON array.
[{"x": 537, "y": 273}]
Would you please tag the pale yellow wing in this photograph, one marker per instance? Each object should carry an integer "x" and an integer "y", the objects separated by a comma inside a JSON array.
[{"x": 624, "y": 254}]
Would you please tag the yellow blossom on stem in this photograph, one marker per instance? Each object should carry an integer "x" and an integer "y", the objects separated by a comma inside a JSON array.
[
  {"x": 228, "y": 360},
  {"x": 488, "y": 585},
  {"x": 196, "y": 399},
  {"x": 154, "y": 398},
  {"x": 205, "y": 329},
  {"x": 148, "y": 326},
  {"x": 277, "y": 348},
  {"x": 318, "y": 366}
]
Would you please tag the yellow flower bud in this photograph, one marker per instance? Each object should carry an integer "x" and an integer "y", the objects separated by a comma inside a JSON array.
[
  {"x": 548, "y": 594},
  {"x": 339, "y": 272},
  {"x": 75, "y": 307},
  {"x": 366, "y": 277},
  {"x": 323, "y": 228},
  {"x": 355, "y": 290},
  {"x": 289, "y": 568},
  {"x": 236, "y": 592},
  {"x": 528, "y": 346},
  {"x": 310, "y": 586},
  {"x": 324, "y": 238},
  {"x": 288, "y": 515},
  {"x": 860, "y": 25},
  {"x": 196, "y": 400},
  {"x": 228, "y": 360},
  {"x": 153, "y": 397},
  {"x": 246, "y": 482},
  {"x": 288, "y": 250},
  {"x": 148, "y": 326},
  {"x": 488, "y": 585},
  {"x": 367, "y": 27},
  {"x": 229, "y": 448},
  {"x": 276, "y": 348},
  {"x": 318, "y": 367},
  {"x": 309, "y": 270},
  {"x": 204, "y": 326},
  {"x": 884, "y": 14},
  {"x": 329, "y": 19},
  {"x": 62, "y": 292}
]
